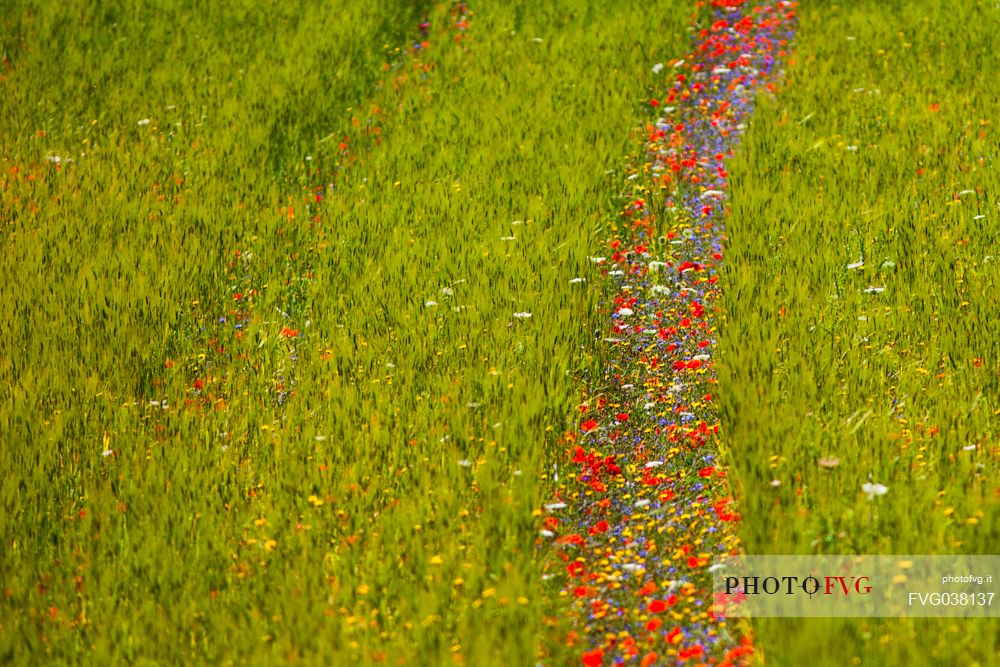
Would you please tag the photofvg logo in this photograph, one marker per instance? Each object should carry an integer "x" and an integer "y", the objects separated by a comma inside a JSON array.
[
  {"x": 840, "y": 585},
  {"x": 810, "y": 585}
]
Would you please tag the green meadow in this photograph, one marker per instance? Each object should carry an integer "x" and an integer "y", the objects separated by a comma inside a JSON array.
[
  {"x": 881, "y": 148},
  {"x": 270, "y": 392}
]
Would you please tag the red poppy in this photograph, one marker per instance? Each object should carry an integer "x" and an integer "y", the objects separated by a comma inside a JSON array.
[
  {"x": 609, "y": 463},
  {"x": 588, "y": 426},
  {"x": 649, "y": 588},
  {"x": 600, "y": 527},
  {"x": 691, "y": 652},
  {"x": 657, "y": 607},
  {"x": 593, "y": 658},
  {"x": 735, "y": 654}
]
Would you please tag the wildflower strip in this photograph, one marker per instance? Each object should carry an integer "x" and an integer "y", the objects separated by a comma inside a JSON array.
[{"x": 645, "y": 503}]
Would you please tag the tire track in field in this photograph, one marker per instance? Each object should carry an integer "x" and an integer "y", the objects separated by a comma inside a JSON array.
[
  {"x": 225, "y": 355},
  {"x": 642, "y": 504}
]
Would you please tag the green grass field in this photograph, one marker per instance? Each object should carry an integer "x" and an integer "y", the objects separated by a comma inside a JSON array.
[
  {"x": 353, "y": 476},
  {"x": 882, "y": 147}
]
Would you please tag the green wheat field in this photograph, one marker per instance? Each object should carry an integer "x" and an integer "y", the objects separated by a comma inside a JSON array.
[{"x": 262, "y": 396}]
